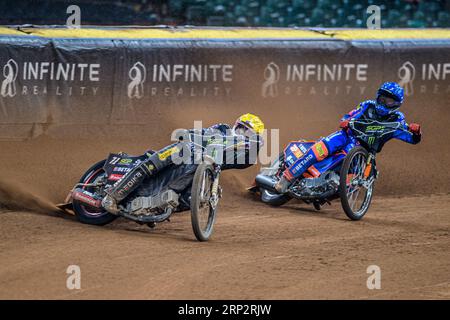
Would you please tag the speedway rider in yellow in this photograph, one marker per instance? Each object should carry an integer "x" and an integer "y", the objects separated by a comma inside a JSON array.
[{"x": 240, "y": 143}]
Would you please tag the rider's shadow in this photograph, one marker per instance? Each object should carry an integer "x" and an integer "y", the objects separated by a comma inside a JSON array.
[
  {"x": 164, "y": 230},
  {"x": 298, "y": 207},
  {"x": 326, "y": 212}
]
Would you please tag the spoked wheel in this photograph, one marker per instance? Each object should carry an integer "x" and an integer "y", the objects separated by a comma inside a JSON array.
[
  {"x": 204, "y": 201},
  {"x": 356, "y": 186}
]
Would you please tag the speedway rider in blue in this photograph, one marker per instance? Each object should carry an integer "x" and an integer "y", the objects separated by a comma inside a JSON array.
[{"x": 384, "y": 109}]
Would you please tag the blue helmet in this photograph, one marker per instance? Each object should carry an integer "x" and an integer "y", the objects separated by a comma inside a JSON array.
[{"x": 389, "y": 98}]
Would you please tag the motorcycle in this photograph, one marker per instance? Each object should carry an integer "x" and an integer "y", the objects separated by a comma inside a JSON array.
[
  {"x": 349, "y": 174},
  {"x": 182, "y": 187}
]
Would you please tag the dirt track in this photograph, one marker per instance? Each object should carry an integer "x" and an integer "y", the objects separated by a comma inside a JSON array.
[{"x": 257, "y": 252}]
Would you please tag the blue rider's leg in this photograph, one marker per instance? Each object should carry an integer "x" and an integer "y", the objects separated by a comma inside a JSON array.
[{"x": 319, "y": 151}]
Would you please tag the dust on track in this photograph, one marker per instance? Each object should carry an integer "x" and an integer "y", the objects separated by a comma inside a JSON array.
[{"x": 16, "y": 197}]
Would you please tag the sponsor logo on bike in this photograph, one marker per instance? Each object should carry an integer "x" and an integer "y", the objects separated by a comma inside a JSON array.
[
  {"x": 80, "y": 196},
  {"x": 125, "y": 161},
  {"x": 130, "y": 184},
  {"x": 165, "y": 154},
  {"x": 319, "y": 149},
  {"x": 290, "y": 160},
  {"x": 115, "y": 177},
  {"x": 122, "y": 169},
  {"x": 296, "y": 151},
  {"x": 301, "y": 164},
  {"x": 302, "y": 148}
]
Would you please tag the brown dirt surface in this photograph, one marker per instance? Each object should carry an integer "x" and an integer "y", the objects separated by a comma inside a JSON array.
[{"x": 257, "y": 252}]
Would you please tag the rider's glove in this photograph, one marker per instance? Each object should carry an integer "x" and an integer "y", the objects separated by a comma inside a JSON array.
[
  {"x": 415, "y": 128},
  {"x": 344, "y": 124}
]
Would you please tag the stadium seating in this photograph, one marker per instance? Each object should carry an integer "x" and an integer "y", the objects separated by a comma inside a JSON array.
[{"x": 263, "y": 13}]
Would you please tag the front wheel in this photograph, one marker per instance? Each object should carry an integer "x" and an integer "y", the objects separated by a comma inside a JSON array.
[
  {"x": 356, "y": 183},
  {"x": 204, "y": 201}
]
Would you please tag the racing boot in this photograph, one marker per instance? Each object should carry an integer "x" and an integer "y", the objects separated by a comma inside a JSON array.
[{"x": 316, "y": 153}]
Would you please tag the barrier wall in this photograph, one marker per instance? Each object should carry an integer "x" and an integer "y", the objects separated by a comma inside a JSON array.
[{"x": 64, "y": 84}]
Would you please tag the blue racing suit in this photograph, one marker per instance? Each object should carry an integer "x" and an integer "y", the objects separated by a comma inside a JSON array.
[{"x": 338, "y": 140}]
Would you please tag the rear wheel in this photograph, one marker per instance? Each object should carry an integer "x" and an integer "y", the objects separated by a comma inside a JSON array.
[
  {"x": 355, "y": 190},
  {"x": 273, "y": 198},
  {"x": 86, "y": 214},
  {"x": 204, "y": 201}
]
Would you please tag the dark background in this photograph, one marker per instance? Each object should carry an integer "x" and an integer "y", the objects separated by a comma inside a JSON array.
[{"x": 262, "y": 13}]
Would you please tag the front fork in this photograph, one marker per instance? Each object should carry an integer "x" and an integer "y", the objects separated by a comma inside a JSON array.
[
  {"x": 216, "y": 190},
  {"x": 370, "y": 172}
]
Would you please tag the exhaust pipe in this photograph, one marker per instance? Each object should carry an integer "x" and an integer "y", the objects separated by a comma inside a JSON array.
[
  {"x": 266, "y": 182},
  {"x": 87, "y": 198}
]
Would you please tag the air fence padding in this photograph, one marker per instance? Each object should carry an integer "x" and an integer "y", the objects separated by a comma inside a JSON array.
[{"x": 74, "y": 87}]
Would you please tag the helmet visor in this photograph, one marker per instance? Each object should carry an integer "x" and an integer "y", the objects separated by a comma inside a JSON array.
[
  {"x": 388, "y": 102},
  {"x": 240, "y": 129}
]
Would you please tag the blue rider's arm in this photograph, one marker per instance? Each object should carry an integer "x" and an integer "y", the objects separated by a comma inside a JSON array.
[{"x": 403, "y": 134}]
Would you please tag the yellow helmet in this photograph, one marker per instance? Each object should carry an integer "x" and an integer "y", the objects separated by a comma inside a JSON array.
[{"x": 250, "y": 121}]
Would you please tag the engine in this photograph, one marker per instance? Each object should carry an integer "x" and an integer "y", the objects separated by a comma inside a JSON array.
[
  {"x": 153, "y": 204},
  {"x": 324, "y": 186}
]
